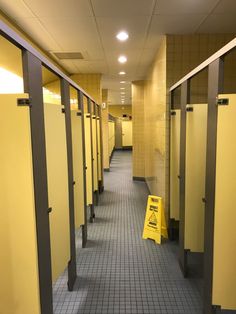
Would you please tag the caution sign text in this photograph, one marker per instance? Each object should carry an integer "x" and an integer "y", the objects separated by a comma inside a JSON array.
[{"x": 155, "y": 222}]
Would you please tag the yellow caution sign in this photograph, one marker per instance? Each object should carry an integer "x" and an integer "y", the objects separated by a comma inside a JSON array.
[{"x": 155, "y": 222}]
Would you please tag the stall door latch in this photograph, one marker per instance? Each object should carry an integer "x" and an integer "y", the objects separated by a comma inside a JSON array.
[
  {"x": 24, "y": 102},
  {"x": 222, "y": 101}
]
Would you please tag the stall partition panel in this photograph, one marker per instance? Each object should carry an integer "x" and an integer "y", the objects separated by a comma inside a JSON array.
[
  {"x": 19, "y": 289},
  {"x": 99, "y": 150},
  {"x": 126, "y": 133},
  {"x": 174, "y": 164},
  {"x": 224, "y": 270},
  {"x": 89, "y": 185},
  {"x": 196, "y": 128},
  {"x": 95, "y": 151},
  {"x": 57, "y": 187},
  {"x": 78, "y": 167}
]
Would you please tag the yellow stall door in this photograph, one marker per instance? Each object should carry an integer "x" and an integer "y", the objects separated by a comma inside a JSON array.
[
  {"x": 95, "y": 153},
  {"x": 57, "y": 187},
  {"x": 224, "y": 270},
  {"x": 196, "y": 128},
  {"x": 19, "y": 288},
  {"x": 99, "y": 150},
  {"x": 174, "y": 164},
  {"x": 127, "y": 133},
  {"x": 78, "y": 167},
  {"x": 89, "y": 186}
]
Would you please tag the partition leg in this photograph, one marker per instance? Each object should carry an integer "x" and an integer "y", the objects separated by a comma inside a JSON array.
[{"x": 84, "y": 235}]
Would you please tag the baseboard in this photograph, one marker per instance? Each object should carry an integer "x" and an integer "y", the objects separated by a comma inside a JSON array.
[
  {"x": 139, "y": 179},
  {"x": 127, "y": 148},
  {"x": 106, "y": 169}
]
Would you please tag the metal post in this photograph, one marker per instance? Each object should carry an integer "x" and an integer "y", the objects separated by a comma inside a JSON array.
[
  {"x": 215, "y": 86},
  {"x": 85, "y": 226},
  {"x": 65, "y": 99},
  {"x": 92, "y": 213},
  {"x": 182, "y": 251},
  {"x": 32, "y": 69}
]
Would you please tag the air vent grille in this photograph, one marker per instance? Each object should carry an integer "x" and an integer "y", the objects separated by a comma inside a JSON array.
[{"x": 68, "y": 55}]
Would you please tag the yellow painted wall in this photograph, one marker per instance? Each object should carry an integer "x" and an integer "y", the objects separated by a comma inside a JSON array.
[
  {"x": 19, "y": 288},
  {"x": 118, "y": 110}
]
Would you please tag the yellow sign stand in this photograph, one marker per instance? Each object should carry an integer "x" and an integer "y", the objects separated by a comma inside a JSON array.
[{"x": 155, "y": 222}]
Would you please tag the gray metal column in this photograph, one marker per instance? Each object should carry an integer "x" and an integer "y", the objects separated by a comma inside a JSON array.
[
  {"x": 32, "y": 69},
  {"x": 101, "y": 184},
  {"x": 65, "y": 99},
  {"x": 85, "y": 226},
  {"x": 215, "y": 86},
  {"x": 182, "y": 251},
  {"x": 92, "y": 212}
]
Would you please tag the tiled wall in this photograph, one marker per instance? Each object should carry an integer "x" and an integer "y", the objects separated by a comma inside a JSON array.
[
  {"x": 155, "y": 125},
  {"x": 138, "y": 129},
  {"x": 177, "y": 56},
  {"x": 119, "y": 110},
  {"x": 105, "y": 130},
  {"x": 91, "y": 83}
]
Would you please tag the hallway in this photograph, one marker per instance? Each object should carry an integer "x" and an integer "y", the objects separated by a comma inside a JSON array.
[{"x": 118, "y": 272}]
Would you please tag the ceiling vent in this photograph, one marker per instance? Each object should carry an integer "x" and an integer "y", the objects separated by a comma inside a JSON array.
[{"x": 68, "y": 55}]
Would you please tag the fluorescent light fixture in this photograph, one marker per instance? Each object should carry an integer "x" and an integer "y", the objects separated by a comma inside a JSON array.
[
  {"x": 10, "y": 83},
  {"x": 122, "y": 59},
  {"x": 122, "y": 36},
  {"x": 122, "y": 73}
]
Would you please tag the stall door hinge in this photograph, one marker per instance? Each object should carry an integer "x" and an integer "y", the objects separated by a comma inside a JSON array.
[{"x": 24, "y": 102}]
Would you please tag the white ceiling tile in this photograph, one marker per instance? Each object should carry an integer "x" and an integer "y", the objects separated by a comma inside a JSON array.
[
  {"x": 39, "y": 33},
  {"x": 18, "y": 9},
  {"x": 60, "y": 8},
  {"x": 123, "y": 8},
  {"x": 76, "y": 35},
  {"x": 175, "y": 24},
  {"x": 136, "y": 27},
  {"x": 218, "y": 23},
  {"x": 184, "y": 6},
  {"x": 225, "y": 7}
]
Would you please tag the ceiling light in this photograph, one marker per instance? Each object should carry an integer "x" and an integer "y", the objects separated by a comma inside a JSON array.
[
  {"x": 122, "y": 101},
  {"x": 122, "y": 73},
  {"x": 122, "y": 87},
  {"x": 122, "y": 36},
  {"x": 122, "y": 59},
  {"x": 122, "y": 82}
]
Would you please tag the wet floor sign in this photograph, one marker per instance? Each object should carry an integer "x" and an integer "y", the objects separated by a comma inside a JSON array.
[{"x": 155, "y": 222}]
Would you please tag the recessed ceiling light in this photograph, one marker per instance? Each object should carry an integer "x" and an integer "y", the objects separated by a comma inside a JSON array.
[
  {"x": 122, "y": 87},
  {"x": 122, "y": 82},
  {"x": 122, "y": 73},
  {"x": 122, "y": 102},
  {"x": 122, "y": 59},
  {"x": 122, "y": 36}
]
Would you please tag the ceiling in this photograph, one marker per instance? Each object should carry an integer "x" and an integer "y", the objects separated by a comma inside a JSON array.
[{"x": 90, "y": 27}]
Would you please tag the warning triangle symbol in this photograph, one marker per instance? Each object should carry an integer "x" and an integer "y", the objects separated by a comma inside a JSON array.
[{"x": 153, "y": 219}]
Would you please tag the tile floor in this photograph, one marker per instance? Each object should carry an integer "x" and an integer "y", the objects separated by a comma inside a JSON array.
[{"x": 118, "y": 272}]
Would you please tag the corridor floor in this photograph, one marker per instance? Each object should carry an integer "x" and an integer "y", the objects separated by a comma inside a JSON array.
[{"x": 118, "y": 272}]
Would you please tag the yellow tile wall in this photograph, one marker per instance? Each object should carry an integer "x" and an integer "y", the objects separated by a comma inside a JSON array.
[
  {"x": 177, "y": 55},
  {"x": 105, "y": 130},
  {"x": 91, "y": 83},
  {"x": 118, "y": 110},
  {"x": 138, "y": 129}
]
